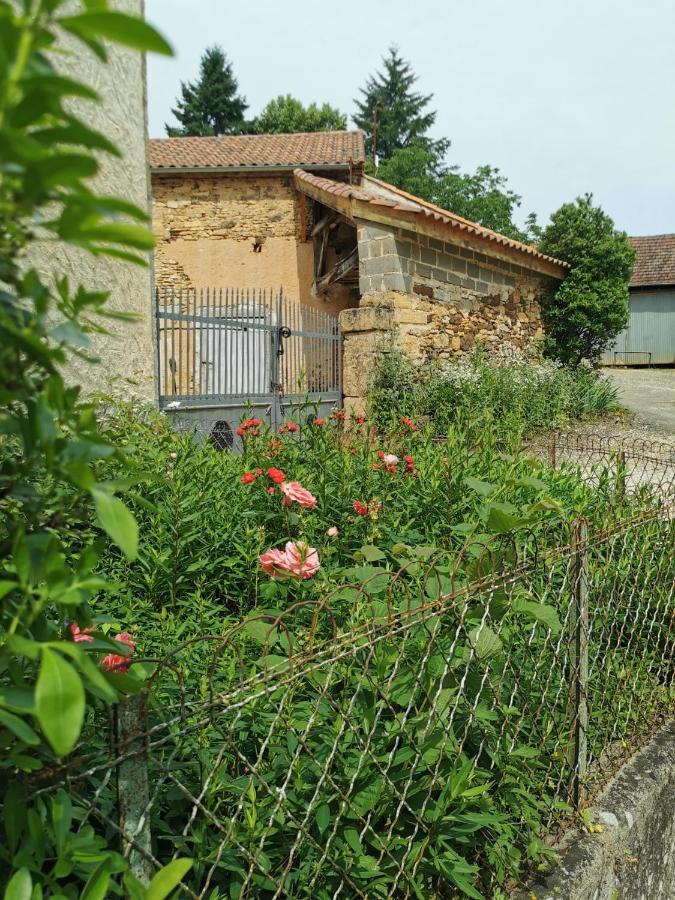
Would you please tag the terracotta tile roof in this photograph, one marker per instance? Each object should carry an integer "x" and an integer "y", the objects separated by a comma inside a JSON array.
[
  {"x": 655, "y": 260},
  {"x": 321, "y": 148},
  {"x": 384, "y": 197}
]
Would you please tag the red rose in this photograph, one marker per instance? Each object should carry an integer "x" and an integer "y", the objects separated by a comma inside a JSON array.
[
  {"x": 276, "y": 475},
  {"x": 319, "y": 422},
  {"x": 248, "y": 478},
  {"x": 360, "y": 508},
  {"x": 240, "y": 431}
]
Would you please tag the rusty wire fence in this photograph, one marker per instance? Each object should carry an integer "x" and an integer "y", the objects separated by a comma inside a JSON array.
[
  {"x": 639, "y": 466},
  {"x": 424, "y": 730}
]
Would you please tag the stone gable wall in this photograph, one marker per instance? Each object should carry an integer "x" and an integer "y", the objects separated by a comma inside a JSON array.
[{"x": 238, "y": 231}]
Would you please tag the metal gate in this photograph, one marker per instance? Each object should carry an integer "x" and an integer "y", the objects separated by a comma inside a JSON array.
[{"x": 224, "y": 354}]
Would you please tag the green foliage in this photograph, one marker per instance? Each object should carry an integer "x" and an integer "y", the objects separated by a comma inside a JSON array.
[
  {"x": 482, "y": 197},
  {"x": 591, "y": 306},
  {"x": 286, "y": 115},
  {"x": 53, "y": 508},
  {"x": 505, "y": 395},
  {"x": 335, "y": 746},
  {"x": 399, "y": 110},
  {"x": 212, "y": 104}
]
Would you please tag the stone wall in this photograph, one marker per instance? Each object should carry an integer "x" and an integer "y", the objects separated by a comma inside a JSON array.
[
  {"x": 435, "y": 300},
  {"x": 467, "y": 296},
  {"x": 629, "y": 854},
  {"x": 126, "y": 354},
  {"x": 235, "y": 230}
]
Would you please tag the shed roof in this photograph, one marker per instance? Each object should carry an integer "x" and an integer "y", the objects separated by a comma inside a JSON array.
[
  {"x": 655, "y": 260},
  {"x": 324, "y": 149},
  {"x": 377, "y": 199}
]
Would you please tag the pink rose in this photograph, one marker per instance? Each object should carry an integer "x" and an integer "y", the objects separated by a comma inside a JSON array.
[
  {"x": 113, "y": 662},
  {"x": 390, "y": 459},
  {"x": 333, "y": 531},
  {"x": 273, "y": 562},
  {"x": 294, "y": 491},
  {"x": 80, "y": 634},
  {"x": 302, "y": 560},
  {"x": 296, "y": 560}
]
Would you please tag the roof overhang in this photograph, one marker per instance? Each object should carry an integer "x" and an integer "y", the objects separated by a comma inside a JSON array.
[
  {"x": 386, "y": 205},
  {"x": 248, "y": 170}
]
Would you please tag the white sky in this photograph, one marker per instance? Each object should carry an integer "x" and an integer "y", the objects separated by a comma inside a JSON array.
[{"x": 565, "y": 96}]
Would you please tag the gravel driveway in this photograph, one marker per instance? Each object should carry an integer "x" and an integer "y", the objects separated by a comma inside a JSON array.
[{"x": 650, "y": 394}]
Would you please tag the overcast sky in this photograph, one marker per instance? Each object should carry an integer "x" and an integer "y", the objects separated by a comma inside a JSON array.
[{"x": 564, "y": 96}]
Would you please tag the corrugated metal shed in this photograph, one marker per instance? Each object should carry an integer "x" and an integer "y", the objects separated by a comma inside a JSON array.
[{"x": 650, "y": 336}]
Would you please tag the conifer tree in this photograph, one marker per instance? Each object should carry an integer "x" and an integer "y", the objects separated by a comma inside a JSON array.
[
  {"x": 397, "y": 110},
  {"x": 211, "y": 105}
]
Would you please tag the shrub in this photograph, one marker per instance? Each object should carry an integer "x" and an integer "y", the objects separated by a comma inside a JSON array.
[
  {"x": 590, "y": 307},
  {"x": 53, "y": 510},
  {"x": 510, "y": 396}
]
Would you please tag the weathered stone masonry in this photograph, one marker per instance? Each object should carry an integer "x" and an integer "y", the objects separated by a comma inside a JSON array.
[
  {"x": 435, "y": 299},
  {"x": 238, "y": 231}
]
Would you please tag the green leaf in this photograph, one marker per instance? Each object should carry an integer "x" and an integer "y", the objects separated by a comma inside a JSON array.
[
  {"x": 118, "y": 27},
  {"x": 136, "y": 236},
  {"x": 484, "y": 488},
  {"x": 20, "y": 886},
  {"x": 59, "y": 701},
  {"x": 371, "y": 553},
  {"x": 117, "y": 521},
  {"x": 19, "y": 728},
  {"x": 543, "y": 613},
  {"x": 97, "y": 884},
  {"x": 322, "y": 817},
  {"x": 500, "y": 521},
  {"x": 485, "y": 642},
  {"x": 168, "y": 878},
  {"x": 262, "y": 632},
  {"x": 351, "y": 835}
]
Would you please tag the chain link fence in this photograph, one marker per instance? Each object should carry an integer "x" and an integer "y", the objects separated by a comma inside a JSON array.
[{"x": 426, "y": 732}]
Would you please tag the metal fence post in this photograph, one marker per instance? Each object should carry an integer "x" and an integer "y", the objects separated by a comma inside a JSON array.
[
  {"x": 578, "y": 652},
  {"x": 621, "y": 473},
  {"x": 552, "y": 453},
  {"x": 133, "y": 793}
]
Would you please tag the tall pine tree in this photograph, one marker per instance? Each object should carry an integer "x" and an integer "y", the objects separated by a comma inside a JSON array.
[
  {"x": 211, "y": 106},
  {"x": 397, "y": 111}
]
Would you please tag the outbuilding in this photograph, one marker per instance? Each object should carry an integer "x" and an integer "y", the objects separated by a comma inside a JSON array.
[{"x": 649, "y": 338}]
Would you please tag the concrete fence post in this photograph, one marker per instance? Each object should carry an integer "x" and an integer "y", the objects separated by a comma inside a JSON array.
[
  {"x": 578, "y": 656},
  {"x": 133, "y": 792}
]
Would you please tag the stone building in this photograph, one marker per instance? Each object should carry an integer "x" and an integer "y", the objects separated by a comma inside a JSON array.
[
  {"x": 126, "y": 350},
  {"x": 298, "y": 210}
]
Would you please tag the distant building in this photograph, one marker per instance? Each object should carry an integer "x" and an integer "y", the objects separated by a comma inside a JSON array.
[{"x": 649, "y": 338}]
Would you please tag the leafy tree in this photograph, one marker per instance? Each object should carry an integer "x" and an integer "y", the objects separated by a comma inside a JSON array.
[
  {"x": 591, "y": 306},
  {"x": 286, "y": 115},
  {"x": 210, "y": 106},
  {"x": 483, "y": 197},
  {"x": 53, "y": 507},
  {"x": 412, "y": 169},
  {"x": 399, "y": 110}
]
